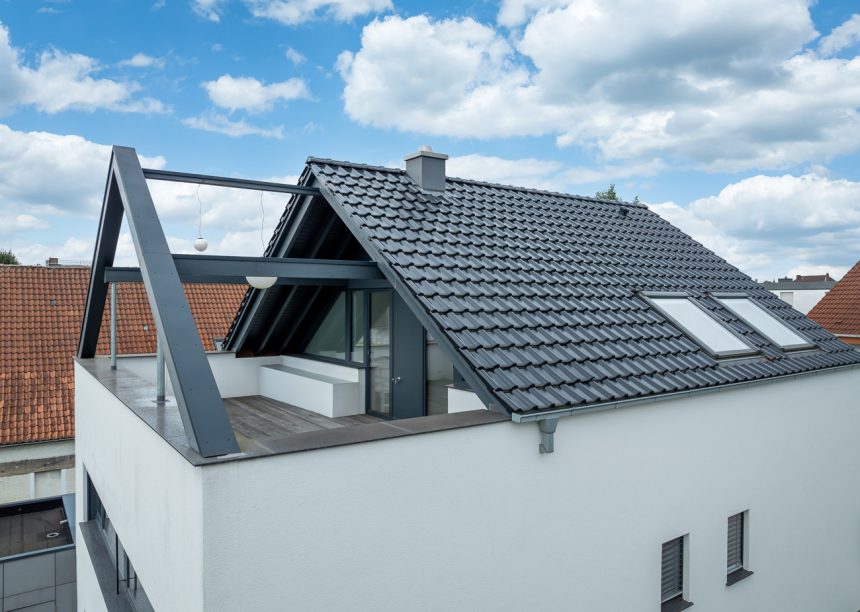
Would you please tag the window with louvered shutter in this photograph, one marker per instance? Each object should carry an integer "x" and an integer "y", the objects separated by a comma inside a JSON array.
[
  {"x": 735, "y": 543},
  {"x": 672, "y": 574}
]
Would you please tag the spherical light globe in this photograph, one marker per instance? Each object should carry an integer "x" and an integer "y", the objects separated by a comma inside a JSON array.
[{"x": 201, "y": 244}]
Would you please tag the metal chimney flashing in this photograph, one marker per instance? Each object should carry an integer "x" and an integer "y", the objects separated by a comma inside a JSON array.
[{"x": 427, "y": 168}]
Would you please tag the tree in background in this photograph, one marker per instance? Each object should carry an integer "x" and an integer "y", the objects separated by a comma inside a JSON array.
[
  {"x": 610, "y": 194},
  {"x": 8, "y": 257}
]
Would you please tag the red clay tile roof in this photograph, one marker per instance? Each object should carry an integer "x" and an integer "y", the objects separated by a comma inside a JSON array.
[
  {"x": 42, "y": 312},
  {"x": 839, "y": 310}
]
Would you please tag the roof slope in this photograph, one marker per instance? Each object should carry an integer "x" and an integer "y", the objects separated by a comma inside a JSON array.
[
  {"x": 538, "y": 290},
  {"x": 839, "y": 310},
  {"x": 43, "y": 307}
]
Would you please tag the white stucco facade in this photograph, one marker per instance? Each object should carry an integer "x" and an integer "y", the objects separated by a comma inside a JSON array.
[
  {"x": 32, "y": 471},
  {"x": 477, "y": 519},
  {"x": 803, "y": 300}
]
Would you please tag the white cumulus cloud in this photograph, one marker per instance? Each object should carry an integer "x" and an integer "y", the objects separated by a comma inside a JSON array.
[
  {"x": 64, "y": 81},
  {"x": 292, "y": 12},
  {"x": 722, "y": 87},
  {"x": 251, "y": 95},
  {"x": 842, "y": 37},
  {"x": 221, "y": 124},
  {"x": 142, "y": 60}
]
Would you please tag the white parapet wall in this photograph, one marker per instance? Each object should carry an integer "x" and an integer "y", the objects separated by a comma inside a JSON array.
[
  {"x": 462, "y": 400},
  {"x": 152, "y": 495},
  {"x": 329, "y": 389},
  {"x": 478, "y": 519}
]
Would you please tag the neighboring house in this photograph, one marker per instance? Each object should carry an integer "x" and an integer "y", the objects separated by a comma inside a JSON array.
[
  {"x": 802, "y": 292},
  {"x": 839, "y": 311},
  {"x": 458, "y": 395},
  {"x": 43, "y": 307}
]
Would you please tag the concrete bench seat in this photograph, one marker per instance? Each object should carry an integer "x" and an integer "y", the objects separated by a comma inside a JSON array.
[{"x": 323, "y": 393}]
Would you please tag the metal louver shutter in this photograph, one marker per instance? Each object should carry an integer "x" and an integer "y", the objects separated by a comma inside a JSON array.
[
  {"x": 672, "y": 575},
  {"x": 735, "y": 543}
]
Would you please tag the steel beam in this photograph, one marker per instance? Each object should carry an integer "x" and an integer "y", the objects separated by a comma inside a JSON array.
[
  {"x": 204, "y": 418},
  {"x": 233, "y": 270},
  {"x": 106, "y": 240},
  {"x": 223, "y": 181}
]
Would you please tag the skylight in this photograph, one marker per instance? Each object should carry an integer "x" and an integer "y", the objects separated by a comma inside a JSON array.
[
  {"x": 700, "y": 325},
  {"x": 765, "y": 323}
]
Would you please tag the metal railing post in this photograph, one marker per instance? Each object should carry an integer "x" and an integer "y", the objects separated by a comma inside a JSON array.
[
  {"x": 159, "y": 368},
  {"x": 113, "y": 326}
]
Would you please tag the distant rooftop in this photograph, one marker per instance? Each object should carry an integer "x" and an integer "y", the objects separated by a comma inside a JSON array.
[
  {"x": 32, "y": 526},
  {"x": 801, "y": 282}
]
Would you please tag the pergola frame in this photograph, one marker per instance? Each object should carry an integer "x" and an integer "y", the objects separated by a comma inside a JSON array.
[{"x": 199, "y": 402}]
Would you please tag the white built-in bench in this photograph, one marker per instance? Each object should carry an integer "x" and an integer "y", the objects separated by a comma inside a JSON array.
[{"x": 329, "y": 389}]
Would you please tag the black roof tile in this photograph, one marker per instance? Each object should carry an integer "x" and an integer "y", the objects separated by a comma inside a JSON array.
[{"x": 539, "y": 291}]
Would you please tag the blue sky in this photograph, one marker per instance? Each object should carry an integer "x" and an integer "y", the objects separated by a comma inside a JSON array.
[{"x": 735, "y": 120}]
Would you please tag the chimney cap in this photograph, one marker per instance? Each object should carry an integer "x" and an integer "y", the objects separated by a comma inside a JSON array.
[{"x": 425, "y": 151}]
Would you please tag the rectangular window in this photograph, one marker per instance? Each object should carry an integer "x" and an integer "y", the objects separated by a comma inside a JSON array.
[
  {"x": 700, "y": 325},
  {"x": 672, "y": 576},
  {"x": 127, "y": 581},
  {"x": 440, "y": 375},
  {"x": 765, "y": 323},
  {"x": 735, "y": 543}
]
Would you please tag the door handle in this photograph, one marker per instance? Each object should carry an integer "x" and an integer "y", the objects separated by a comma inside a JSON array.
[{"x": 395, "y": 379}]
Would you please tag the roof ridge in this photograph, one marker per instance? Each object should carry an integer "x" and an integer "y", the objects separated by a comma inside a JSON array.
[{"x": 535, "y": 190}]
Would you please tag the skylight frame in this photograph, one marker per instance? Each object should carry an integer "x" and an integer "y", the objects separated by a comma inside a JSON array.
[
  {"x": 722, "y": 298},
  {"x": 651, "y": 296}
]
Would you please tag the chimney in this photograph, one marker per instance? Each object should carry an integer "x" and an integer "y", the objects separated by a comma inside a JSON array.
[
  {"x": 427, "y": 168},
  {"x": 53, "y": 261}
]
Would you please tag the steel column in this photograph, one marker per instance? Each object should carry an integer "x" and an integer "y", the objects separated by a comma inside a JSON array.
[
  {"x": 113, "y": 326},
  {"x": 159, "y": 369}
]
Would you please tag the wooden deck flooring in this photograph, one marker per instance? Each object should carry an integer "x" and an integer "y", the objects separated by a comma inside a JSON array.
[{"x": 254, "y": 417}]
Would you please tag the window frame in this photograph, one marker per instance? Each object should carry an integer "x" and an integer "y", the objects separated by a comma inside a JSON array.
[
  {"x": 651, "y": 296},
  {"x": 804, "y": 346}
]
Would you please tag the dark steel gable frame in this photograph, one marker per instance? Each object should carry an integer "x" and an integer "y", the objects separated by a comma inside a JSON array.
[{"x": 207, "y": 427}]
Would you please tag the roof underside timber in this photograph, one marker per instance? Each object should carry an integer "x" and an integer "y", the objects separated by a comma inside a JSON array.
[{"x": 539, "y": 291}]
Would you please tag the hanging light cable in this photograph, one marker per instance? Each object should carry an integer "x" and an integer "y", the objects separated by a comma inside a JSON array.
[
  {"x": 201, "y": 244},
  {"x": 262, "y": 282}
]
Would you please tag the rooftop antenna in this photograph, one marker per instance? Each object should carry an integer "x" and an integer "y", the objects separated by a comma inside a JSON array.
[
  {"x": 201, "y": 244},
  {"x": 262, "y": 282}
]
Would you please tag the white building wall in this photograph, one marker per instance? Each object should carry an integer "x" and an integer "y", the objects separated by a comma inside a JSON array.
[
  {"x": 31, "y": 485},
  {"x": 151, "y": 494},
  {"x": 477, "y": 519},
  {"x": 803, "y": 300}
]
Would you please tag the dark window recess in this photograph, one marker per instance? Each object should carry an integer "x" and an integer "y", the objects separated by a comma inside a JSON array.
[
  {"x": 127, "y": 582},
  {"x": 672, "y": 577},
  {"x": 735, "y": 550},
  {"x": 330, "y": 338}
]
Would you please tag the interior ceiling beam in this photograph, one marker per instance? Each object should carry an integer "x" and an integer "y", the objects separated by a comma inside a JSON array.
[
  {"x": 228, "y": 269},
  {"x": 223, "y": 181}
]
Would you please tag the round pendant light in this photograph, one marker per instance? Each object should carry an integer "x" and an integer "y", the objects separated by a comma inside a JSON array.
[{"x": 262, "y": 282}]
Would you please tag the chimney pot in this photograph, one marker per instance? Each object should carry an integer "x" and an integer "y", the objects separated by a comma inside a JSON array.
[{"x": 427, "y": 168}]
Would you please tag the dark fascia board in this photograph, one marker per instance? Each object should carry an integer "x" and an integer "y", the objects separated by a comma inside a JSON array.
[
  {"x": 743, "y": 296},
  {"x": 466, "y": 371},
  {"x": 647, "y": 297}
]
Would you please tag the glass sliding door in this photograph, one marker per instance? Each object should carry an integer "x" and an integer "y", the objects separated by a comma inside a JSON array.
[{"x": 379, "y": 341}]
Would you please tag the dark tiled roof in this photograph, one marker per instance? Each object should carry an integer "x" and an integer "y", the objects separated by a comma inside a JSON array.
[
  {"x": 43, "y": 307},
  {"x": 538, "y": 290},
  {"x": 839, "y": 310}
]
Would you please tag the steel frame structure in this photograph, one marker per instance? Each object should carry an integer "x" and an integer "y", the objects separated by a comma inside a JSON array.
[{"x": 207, "y": 427}]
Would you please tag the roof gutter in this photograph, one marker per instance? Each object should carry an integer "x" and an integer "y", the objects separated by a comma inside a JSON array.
[{"x": 547, "y": 420}]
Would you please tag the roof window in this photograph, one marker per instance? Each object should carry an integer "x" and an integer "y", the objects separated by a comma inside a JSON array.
[
  {"x": 700, "y": 325},
  {"x": 765, "y": 323}
]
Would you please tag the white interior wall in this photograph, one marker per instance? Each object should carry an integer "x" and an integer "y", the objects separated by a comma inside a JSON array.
[
  {"x": 151, "y": 493},
  {"x": 477, "y": 519}
]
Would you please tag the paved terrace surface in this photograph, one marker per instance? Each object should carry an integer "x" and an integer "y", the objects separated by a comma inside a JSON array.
[{"x": 265, "y": 427}]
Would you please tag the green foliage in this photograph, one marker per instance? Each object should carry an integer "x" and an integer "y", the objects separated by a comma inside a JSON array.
[
  {"x": 610, "y": 194},
  {"x": 8, "y": 257}
]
